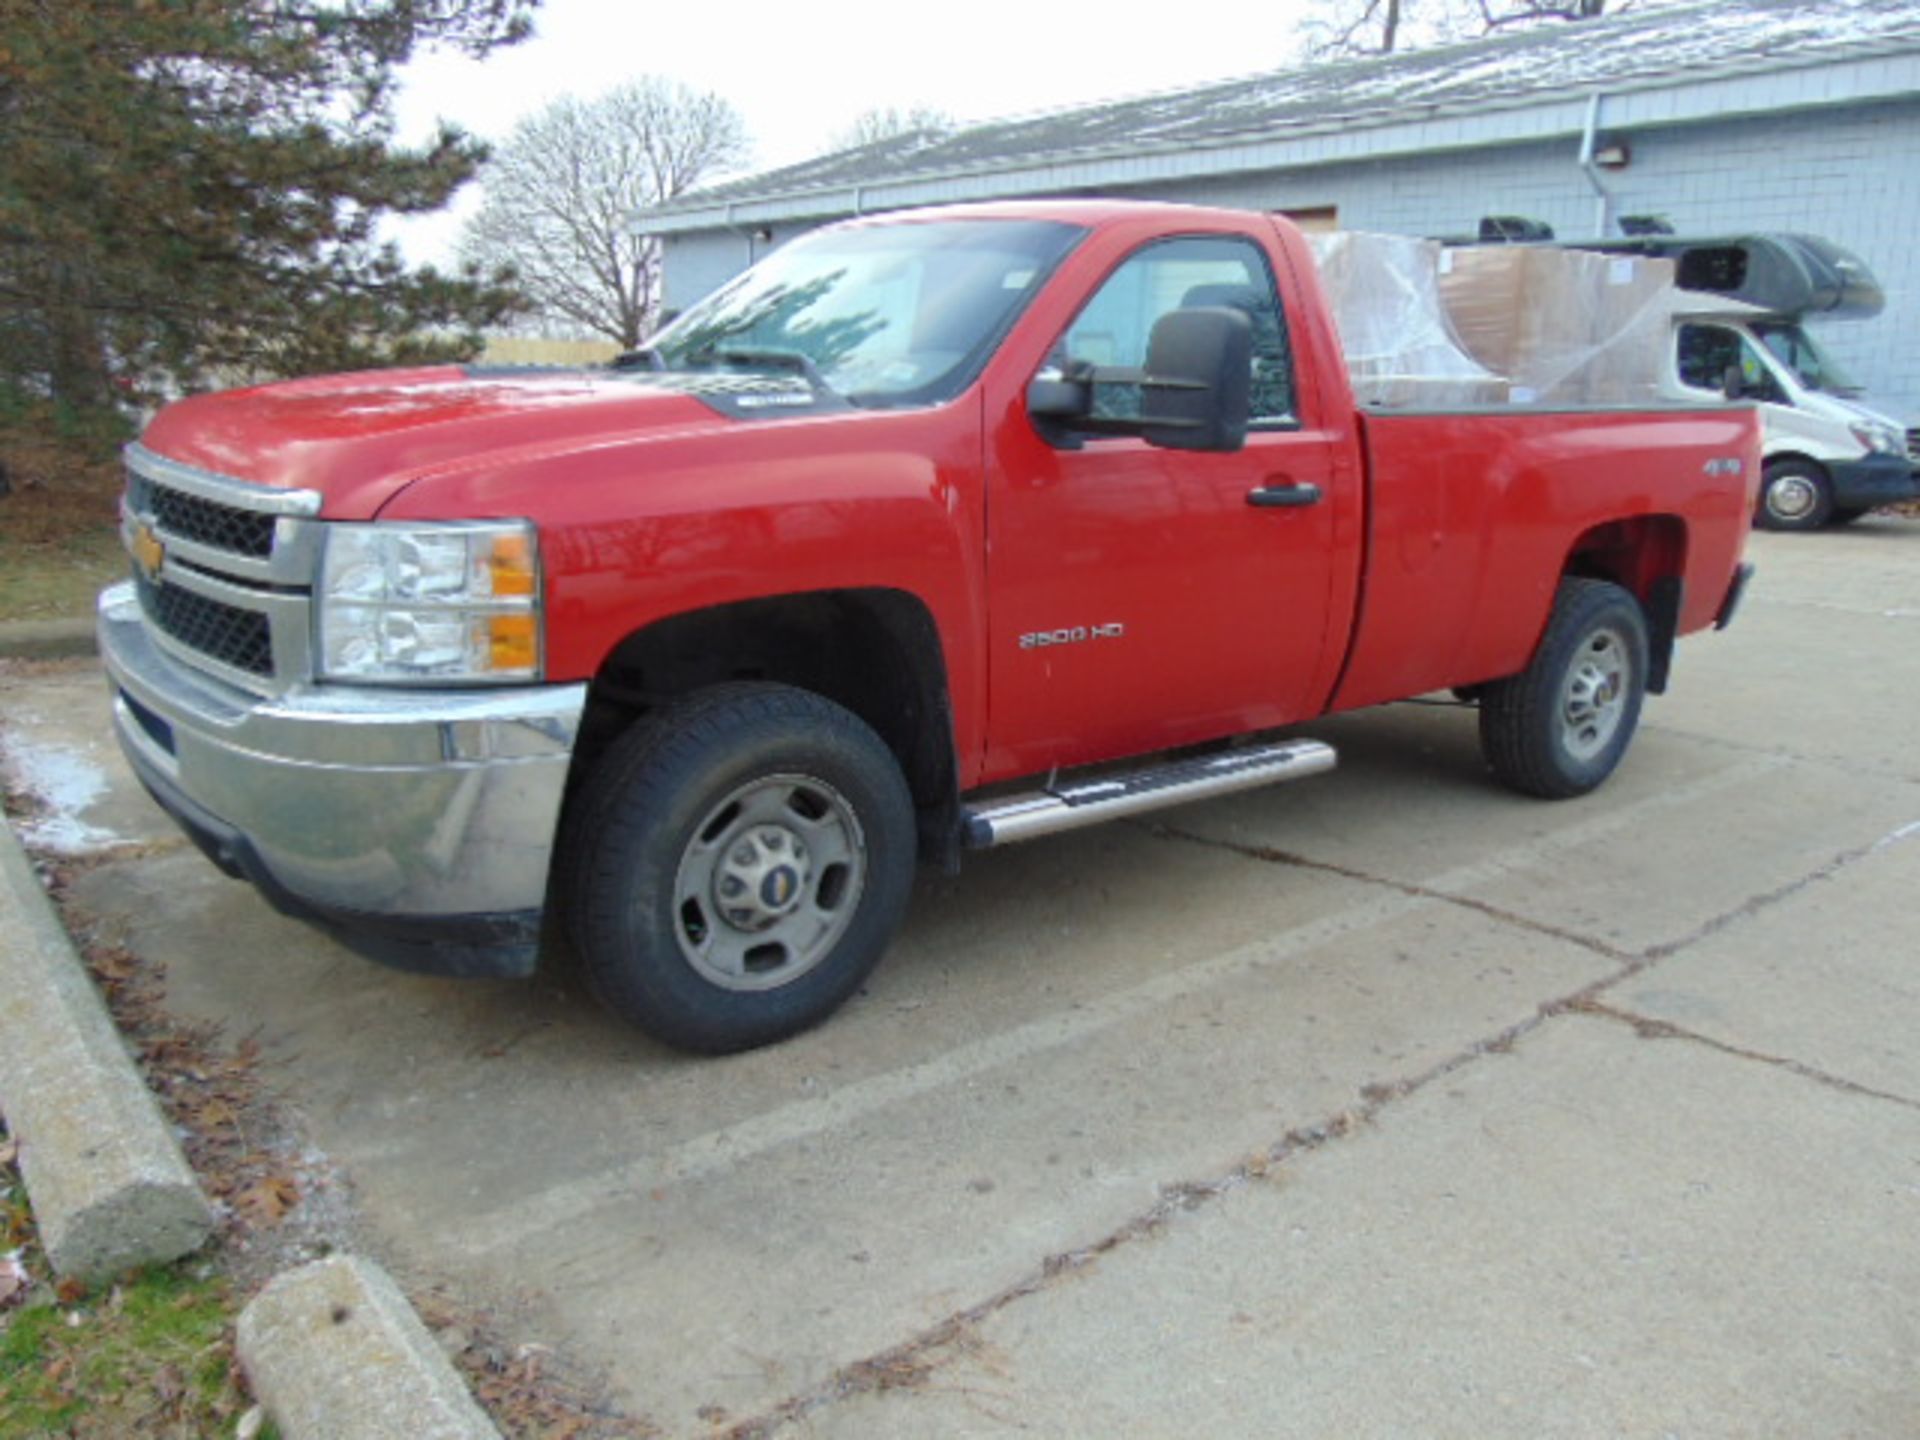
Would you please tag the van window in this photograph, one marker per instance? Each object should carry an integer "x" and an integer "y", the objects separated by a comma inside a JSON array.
[
  {"x": 1811, "y": 365},
  {"x": 1707, "y": 352}
]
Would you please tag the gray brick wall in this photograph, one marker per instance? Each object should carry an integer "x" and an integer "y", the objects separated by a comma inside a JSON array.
[{"x": 1849, "y": 173}]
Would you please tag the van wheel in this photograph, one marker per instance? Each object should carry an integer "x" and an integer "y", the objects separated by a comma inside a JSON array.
[
  {"x": 739, "y": 862},
  {"x": 1794, "y": 495},
  {"x": 1559, "y": 727}
]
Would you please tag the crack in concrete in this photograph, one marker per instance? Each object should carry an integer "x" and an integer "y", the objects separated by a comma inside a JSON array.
[
  {"x": 1768, "y": 899},
  {"x": 1272, "y": 856},
  {"x": 1649, "y": 1028},
  {"x": 1854, "y": 767},
  {"x": 914, "y": 1361}
]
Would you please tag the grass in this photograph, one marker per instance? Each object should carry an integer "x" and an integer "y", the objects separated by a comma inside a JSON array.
[
  {"x": 58, "y": 515},
  {"x": 149, "y": 1357},
  {"x": 58, "y": 580}
]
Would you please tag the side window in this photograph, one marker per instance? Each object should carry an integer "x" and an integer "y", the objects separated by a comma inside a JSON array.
[
  {"x": 1114, "y": 327},
  {"x": 1707, "y": 352}
]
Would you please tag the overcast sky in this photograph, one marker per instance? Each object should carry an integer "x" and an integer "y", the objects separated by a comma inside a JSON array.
[{"x": 800, "y": 73}]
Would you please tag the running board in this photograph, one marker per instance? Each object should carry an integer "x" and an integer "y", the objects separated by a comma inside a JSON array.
[{"x": 1068, "y": 807}]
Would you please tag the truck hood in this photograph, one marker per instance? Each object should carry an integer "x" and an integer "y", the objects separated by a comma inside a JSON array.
[{"x": 359, "y": 439}]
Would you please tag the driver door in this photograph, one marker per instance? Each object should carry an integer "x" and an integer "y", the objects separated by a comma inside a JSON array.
[{"x": 1142, "y": 598}]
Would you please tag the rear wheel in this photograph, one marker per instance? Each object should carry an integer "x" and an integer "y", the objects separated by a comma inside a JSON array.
[
  {"x": 738, "y": 864},
  {"x": 1560, "y": 727},
  {"x": 1794, "y": 495}
]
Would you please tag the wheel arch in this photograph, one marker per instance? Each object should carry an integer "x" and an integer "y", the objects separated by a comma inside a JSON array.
[
  {"x": 1796, "y": 457},
  {"x": 875, "y": 651},
  {"x": 1645, "y": 555}
]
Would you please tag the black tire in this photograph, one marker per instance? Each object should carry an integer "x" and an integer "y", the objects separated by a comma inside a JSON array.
[
  {"x": 660, "y": 829},
  {"x": 1559, "y": 727},
  {"x": 1847, "y": 514},
  {"x": 1794, "y": 495}
]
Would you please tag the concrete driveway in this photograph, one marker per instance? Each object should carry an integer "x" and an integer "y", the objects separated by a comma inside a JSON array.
[{"x": 1382, "y": 1104}]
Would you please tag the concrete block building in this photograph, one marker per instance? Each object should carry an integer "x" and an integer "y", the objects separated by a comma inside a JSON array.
[{"x": 1728, "y": 116}]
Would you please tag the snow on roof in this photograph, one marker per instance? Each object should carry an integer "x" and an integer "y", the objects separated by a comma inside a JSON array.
[{"x": 1636, "y": 48}]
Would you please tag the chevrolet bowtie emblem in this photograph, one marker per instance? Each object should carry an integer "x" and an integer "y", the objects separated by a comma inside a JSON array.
[{"x": 148, "y": 553}]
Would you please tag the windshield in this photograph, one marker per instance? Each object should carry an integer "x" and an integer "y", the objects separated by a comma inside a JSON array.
[
  {"x": 1812, "y": 366},
  {"x": 882, "y": 315}
]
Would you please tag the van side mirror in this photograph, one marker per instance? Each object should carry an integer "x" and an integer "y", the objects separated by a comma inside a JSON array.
[
  {"x": 1194, "y": 393},
  {"x": 1732, "y": 384}
]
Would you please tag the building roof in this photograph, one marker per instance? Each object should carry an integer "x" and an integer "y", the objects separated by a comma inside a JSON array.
[{"x": 1665, "y": 47}]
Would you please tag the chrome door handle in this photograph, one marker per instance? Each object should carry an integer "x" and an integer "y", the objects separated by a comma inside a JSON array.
[{"x": 1285, "y": 496}]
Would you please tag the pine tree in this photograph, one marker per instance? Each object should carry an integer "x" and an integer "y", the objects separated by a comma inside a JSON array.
[{"x": 189, "y": 190}]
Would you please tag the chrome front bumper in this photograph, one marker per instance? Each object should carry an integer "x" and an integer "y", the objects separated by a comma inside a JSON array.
[{"x": 418, "y": 826}]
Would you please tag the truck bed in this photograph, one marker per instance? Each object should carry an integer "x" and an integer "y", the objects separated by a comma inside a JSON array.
[{"x": 1469, "y": 514}]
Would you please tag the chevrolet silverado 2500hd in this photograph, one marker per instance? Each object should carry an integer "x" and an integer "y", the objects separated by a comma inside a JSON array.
[{"x": 703, "y": 650}]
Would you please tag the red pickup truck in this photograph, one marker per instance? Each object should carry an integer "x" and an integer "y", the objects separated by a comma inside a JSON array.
[{"x": 701, "y": 651}]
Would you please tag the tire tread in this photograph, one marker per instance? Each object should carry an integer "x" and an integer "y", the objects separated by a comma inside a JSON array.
[
  {"x": 1518, "y": 714},
  {"x": 635, "y": 782}
]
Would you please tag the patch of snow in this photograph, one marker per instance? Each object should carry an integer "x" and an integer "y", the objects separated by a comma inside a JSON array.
[{"x": 66, "y": 784}]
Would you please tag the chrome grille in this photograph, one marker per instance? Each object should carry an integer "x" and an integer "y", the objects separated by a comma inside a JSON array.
[
  {"x": 203, "y": 521},
  {"x": 224, "y": 569},
  {"x": 226, "y": 634}
]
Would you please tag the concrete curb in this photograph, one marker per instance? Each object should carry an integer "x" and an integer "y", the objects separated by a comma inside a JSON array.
[
  {"x": 334, "y": 1352},
  {"x": 109, "y": 1186},
  {"x": 47, "y": 639}
]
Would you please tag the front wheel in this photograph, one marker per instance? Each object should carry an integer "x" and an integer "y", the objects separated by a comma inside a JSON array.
[
  {"x": 1794, "y": 495},
  {"x": 1559, "y": 727},
  {"x": 738, "y": 863}
]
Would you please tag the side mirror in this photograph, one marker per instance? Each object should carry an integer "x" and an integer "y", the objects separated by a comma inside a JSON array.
[
  {"x": 1057, "y": 394},
  {"x": 1732, "y": 384},
  {"x": 1197, "y": 390}
]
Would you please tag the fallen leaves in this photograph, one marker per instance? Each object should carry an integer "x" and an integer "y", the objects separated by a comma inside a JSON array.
[
  {"x": 267, "y": 1199},
  {"x": 517, "y": 1385},
  {"x": 210, "y": 1091},
  {"x": 14, "y": 1281}
]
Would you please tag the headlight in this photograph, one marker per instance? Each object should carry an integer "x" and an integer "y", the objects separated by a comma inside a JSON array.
[
  {"x": 457, "y": 603},
  {"x": 1880, "y": 442}
]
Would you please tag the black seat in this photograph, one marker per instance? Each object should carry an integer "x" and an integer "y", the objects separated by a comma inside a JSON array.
[{"x": 1272, "y": 371}]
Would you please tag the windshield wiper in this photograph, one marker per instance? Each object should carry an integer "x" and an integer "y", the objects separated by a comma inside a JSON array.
[{"x": 764, "y": 357}]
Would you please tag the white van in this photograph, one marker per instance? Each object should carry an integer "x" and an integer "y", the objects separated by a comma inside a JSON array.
[{"x": 1829, "y": 458}]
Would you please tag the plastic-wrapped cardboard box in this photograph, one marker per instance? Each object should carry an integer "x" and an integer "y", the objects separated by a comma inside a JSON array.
[
  {"x": 1400, "y": 351},
  {"x": 1566, "y": 327}
]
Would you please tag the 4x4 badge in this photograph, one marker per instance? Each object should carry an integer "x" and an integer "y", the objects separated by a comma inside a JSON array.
[{"x": 148, "y": 553}]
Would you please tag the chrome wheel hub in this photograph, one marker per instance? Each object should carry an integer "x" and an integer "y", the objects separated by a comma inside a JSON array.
[
  {"x": 1594, "y": 699},
  {"x": 1792, "y": 497},
  {"x": 769, "y": 882}
]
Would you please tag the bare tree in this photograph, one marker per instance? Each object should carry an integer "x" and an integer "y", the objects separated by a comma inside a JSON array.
[
  {"x": 1381, "y": 27},
  {"x": 885, "y": 122},
  {"x": 562, "y": 191}
]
